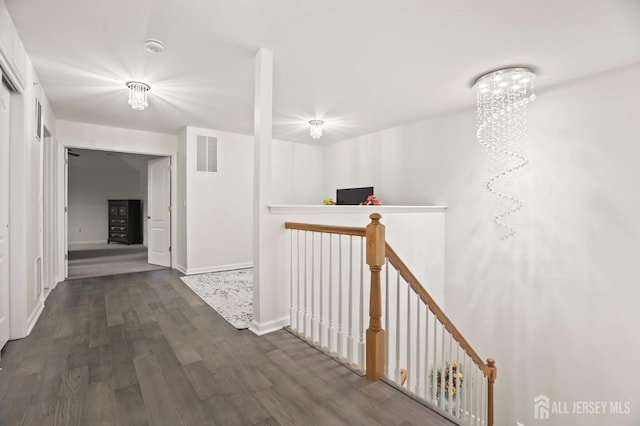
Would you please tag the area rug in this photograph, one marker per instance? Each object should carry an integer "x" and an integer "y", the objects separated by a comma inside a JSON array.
[{"x": 230, "y": 293}]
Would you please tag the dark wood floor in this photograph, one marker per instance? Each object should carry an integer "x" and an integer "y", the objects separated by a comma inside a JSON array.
[{"x": 140, "y": 349}]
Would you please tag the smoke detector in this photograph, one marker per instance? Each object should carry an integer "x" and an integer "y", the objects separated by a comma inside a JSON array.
[{"x": 153, "y": 46}]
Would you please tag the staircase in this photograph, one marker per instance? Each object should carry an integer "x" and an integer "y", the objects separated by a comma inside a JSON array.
[{"x": 354, "y": 298}]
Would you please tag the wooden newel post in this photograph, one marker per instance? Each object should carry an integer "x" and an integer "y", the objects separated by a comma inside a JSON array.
[
  {"x": 491, "y": 379},
  {"x": 375, "y": 334}
]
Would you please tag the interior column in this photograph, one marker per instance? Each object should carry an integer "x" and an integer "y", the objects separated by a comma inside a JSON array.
[{"x": 263, "y": 117}]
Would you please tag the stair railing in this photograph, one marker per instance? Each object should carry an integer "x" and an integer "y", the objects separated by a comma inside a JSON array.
[{"x": 417, "y": 349}]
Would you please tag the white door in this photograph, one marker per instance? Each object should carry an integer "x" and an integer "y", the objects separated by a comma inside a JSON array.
[
  {"x": 65, "y": 167},
  {"x": 4, "y": 214},
  {"x": 159, "y": 212}
]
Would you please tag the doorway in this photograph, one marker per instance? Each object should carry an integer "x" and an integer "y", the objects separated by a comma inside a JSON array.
[
  {"x": 110, "y": 198},
  {"x": 5, "y": 98}
]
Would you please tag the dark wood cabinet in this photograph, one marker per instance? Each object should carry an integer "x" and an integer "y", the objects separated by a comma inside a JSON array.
[{"x": 125, "y": 222}]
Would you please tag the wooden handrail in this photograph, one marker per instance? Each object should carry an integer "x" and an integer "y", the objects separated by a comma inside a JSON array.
[
  {"x": 327, "y": 229},
  {"x": 404, "y": 271}
]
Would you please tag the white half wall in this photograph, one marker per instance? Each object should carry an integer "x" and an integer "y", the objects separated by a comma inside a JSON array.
[{"x": 556, "y": 305}]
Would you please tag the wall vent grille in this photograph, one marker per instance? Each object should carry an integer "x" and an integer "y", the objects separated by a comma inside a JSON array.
[{"x": 207, "y": 154}]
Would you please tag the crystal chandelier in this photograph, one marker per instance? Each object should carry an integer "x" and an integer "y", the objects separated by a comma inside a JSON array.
[
  {"x": 502, "y": 98},
  {"x": 138, "y": 95},
  {"x": 316, "y": 128}
]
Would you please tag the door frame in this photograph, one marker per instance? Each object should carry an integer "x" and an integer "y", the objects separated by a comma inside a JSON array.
[
  {"x": 5, "y": 197},
  {"x": 62, "y": 186},
  {"x": 48, "y": 212}
]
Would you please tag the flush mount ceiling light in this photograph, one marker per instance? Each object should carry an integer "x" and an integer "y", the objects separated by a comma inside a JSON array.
[
  {"x": 153, "y": 46},
  {"x": 316, "y": 128},
  {"x": 138, "y": 95},
  {"x": 502, "y": 99}
]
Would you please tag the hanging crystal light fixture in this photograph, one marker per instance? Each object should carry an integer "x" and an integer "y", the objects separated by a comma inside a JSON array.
[
  {"x": 316, "y": 128},
  {"x": 502, "y": 99},
  {"x": 138, "y": 95}
]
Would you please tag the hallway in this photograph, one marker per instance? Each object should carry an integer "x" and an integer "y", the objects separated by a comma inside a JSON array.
[{"x": 142, "y": 349}]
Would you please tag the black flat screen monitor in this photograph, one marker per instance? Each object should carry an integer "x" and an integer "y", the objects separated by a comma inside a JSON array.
[{"x": 353, "y": 196}]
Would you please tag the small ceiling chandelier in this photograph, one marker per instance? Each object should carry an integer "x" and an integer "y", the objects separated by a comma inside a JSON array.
[
  {"x": 138, "y": 95},
  {"x": 316, "y": 128},
  {"x": 502, "y": 99}
]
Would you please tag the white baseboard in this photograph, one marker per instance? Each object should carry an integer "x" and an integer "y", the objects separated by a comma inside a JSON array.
[
  {"x": 261, "y": 329},
  {"x": 80, "y": 244},
  {"x": 33, "y": 318},
  {"x": 219, "y": 268},
  {"x": 51, "y": 285}
]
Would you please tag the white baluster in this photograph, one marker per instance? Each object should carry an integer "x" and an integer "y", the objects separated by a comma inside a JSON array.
[
  {"x": 322, "y": 319},
  {"x": 418, "y": 386},
  {"x": 477, "y": 395},
  {"x": 426, "y": 353},
  {"x": 340, "y": 297},
  {"x": 362, "y": 319},
  {"x": 484, "y": 399},
  {"x": 409, "y": 370},
  {"x": 398, "y": 367},
  {"x": 292, "y": 312},
  {"x": 462, "y": 369},
  {"x": 314, "y": 313},
  {"x": 442, "y": 371},
  {"x": 350, "y": 304},
  {"x": 434, "y": 370},
  {"x": 300, "y": 322},
  {"x": 460, "y": 382},
  {"x": 305, "y": 325},
  {"x": 450, "y": 380},
  {"x": 458, "y": 396},
  {"x": 386, "y": 317},
  {"x": 467, "y": 369},
  {"x": 331, "y": 330}
]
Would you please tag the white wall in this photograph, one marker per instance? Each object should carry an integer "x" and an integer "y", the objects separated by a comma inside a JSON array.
[
  {"x": 297, "y": 173},
  {"x": 96, "y": 177},
  {"x": 556, "y": 305},
  {"x": 218, "y": 205},
  {"x": 89, "y": 192},
  {"x": 25, "y": 174}
]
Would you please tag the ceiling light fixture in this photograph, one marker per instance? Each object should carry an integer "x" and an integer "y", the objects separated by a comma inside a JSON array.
[
  {"x": 153, "y": 46},
  {"x": 502, "y": 99},
  {"x": 138, "y": 95},
  {"x": 316, "y": 128}
]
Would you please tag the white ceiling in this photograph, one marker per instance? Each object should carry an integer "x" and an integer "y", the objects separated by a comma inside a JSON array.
[{"x": 360, "y": 65}]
